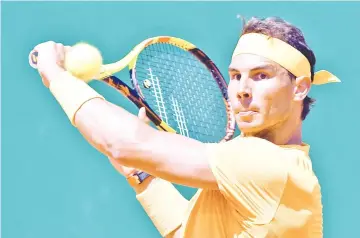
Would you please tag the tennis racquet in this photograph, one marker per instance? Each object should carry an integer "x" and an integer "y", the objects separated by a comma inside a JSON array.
[{"x": 181, "y": 88}]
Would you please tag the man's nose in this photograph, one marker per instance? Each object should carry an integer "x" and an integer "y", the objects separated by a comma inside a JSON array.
[
  {"x": 244, "y": 95},
  {"x": 244, "y": 90}
]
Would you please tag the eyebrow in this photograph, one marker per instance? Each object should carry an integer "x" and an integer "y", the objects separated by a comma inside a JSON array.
[
  {"x": 260, "y": 67},
  {"x": 233, "y": 70}
]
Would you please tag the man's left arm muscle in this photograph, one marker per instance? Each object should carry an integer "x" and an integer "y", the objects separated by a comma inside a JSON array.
[{"x": 122, "y": 136}]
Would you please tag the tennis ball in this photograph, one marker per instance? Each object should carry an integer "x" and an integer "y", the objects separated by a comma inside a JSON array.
[
  {"x": 84, "y": 61},
  {"x": 147, "y": 83}
]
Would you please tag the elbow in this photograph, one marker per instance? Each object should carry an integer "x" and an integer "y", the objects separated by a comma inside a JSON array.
[
  {"x": 130, "y": 155},
  {"x": 129, "y": 152},
  {"x": 123, "y": 152}
]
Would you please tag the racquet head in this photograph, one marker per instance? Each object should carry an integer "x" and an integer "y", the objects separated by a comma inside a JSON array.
[{"x": 181, "y": 85}]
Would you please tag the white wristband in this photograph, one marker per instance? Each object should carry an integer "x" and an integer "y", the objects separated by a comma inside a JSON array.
[
  {"x": 164, "y": 204},
  {"x": 71, "y": 93}
]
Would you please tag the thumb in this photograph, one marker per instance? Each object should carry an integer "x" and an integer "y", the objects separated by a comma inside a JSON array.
[{"x": 142, "y": 115}]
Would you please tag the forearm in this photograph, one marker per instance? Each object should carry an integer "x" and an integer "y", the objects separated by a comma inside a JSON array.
[
  {"x": 163, "y": 203},
  {"x": 121, "y": 135},
  {"x": 110, "y": 129}
]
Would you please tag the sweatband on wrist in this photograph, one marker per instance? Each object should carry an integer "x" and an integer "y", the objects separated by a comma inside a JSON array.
[
  {"x": 164, "y": 204},
  {"x": 71, "y": 93}
]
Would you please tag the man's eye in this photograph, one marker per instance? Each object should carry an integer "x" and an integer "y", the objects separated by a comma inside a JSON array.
[
  {"x": 237, "y": 76},
  {"x": 261, "y": 76}
]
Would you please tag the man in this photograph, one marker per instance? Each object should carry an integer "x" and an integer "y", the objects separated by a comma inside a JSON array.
[{"x": 260, "y": 184}]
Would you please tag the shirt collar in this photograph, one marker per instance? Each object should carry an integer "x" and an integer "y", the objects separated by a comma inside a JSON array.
[{"x": 303, "y": 147}]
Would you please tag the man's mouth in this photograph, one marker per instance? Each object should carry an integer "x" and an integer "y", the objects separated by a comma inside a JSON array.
[{"x": 246, "y": 113}]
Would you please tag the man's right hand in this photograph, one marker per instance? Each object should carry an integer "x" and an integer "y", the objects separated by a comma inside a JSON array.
[{"x": 126, "y": 171}]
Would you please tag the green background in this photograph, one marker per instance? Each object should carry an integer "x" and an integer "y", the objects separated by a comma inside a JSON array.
[{"x": 56, "y": 185}]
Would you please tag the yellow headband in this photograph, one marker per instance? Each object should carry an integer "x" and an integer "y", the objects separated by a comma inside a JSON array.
[{"x": 283, "y": 54}]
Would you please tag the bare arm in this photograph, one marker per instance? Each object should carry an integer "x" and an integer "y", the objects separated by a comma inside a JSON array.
[{"x": 121, "y": 135}]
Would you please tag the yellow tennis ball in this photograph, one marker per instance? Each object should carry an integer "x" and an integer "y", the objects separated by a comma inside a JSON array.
[{"x": 84, "y": 61}]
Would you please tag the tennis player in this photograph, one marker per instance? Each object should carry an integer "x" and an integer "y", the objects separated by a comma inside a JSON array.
[{"x": 260, "y": 184}]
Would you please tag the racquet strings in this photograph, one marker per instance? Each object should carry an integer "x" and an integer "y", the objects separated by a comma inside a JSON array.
[{"x": 182, "y": 91}]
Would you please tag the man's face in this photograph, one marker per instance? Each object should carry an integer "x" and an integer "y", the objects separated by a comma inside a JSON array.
[{"x": 261, "y": 93}]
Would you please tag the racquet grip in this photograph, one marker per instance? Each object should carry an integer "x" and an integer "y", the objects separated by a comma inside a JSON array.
[{"x": 33, "y": 58}]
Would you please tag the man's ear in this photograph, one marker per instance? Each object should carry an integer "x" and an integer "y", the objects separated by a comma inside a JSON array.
[{"x": 302, "y": 88}]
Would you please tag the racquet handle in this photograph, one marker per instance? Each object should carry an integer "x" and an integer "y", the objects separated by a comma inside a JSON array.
[{"x": 33, "y": 58}]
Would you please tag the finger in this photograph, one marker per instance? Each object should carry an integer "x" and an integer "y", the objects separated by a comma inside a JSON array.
[
  {"x": 45, "y": 81},
  {"x": 60, "y": 54},
  {"x": 67, "y": 48},
  {"x": 66, "y": 51},
  {"x": 43, "y": 49},
  {"x": 43, "y": 45},
  {"x": 142, "y": 115}
]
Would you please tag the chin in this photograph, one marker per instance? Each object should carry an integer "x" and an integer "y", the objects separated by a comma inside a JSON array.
[
  {"x": 250, "y": 127},
  {"x": 250, "y": 130}
]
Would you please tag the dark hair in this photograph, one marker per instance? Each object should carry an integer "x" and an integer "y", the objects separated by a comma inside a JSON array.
[{"x": 282, "y": 30}]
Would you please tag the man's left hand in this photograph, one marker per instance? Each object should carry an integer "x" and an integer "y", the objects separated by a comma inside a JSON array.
[{"x": 50, "y": 60}]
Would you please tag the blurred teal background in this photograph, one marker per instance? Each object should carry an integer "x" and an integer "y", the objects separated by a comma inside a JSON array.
[{"x": 54, "y": 184}]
